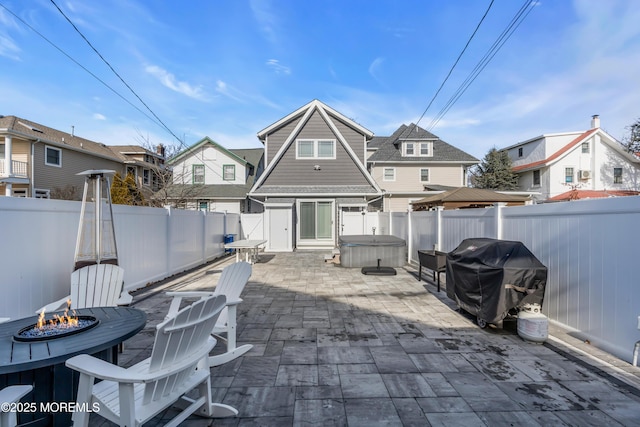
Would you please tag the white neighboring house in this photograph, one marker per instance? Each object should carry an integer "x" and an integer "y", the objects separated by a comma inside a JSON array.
[
  {"x": 209, "y": 177},
  {"x": 553, "y": 164}
]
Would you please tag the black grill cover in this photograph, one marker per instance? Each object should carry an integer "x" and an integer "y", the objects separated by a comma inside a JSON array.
[{"x": 489, "y": 277}]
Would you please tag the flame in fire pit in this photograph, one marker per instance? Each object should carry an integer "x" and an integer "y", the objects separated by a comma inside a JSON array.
[{"x": 64, "y": 321}]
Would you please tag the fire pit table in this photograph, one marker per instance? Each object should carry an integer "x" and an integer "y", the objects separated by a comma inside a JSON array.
[{"x": 41, "y": 362}]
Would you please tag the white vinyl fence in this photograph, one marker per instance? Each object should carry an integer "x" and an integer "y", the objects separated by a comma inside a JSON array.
[
  {"x": 38, "y": 236},
  {"x": 590, "y": 248}
]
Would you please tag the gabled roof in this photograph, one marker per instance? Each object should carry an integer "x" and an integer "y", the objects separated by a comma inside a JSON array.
[
  {"x": 304, "y": 114},
  {"x": 555, "y": 156},
  {"x": 302, "y": 110},
  {"x": 204, "y": 141},
  {"x": 390, "y": 149},
  {"x": 34, "y": 131}
]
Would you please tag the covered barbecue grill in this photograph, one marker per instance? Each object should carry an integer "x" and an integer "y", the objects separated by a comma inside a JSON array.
[{"x": 489, "y": 277}]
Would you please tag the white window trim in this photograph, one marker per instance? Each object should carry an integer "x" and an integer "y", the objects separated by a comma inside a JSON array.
[
  {"x": 315, "y": 149},
  {"x": 573, "y": 181},
  {"x": 417, "y": 149},
  {"x": 48, "y": 147},
  {"x": 146, "y": 180},
  {"x": 384, "y": 175},
  {"x": 533, "y": 179},
  {"x": 420, "y": 174},
  {"x": 429, "y": 148},
  {"x": 193, "y": 174},
  {"x": 40, "y": 193}
]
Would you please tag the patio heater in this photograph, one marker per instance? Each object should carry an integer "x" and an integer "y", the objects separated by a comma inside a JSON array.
[{"x": 96, "y": 241}]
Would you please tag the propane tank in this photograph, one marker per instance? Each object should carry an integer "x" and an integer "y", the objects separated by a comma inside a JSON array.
[{"x": 532, "y": 324}]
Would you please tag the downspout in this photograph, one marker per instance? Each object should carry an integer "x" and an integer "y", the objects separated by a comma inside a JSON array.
[{"x": 33, "y": 166}]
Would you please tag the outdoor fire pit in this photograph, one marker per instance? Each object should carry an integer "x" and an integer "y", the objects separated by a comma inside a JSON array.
[
  {"x": 55, "y": 329},
  {"x": 39, "y": 360}
]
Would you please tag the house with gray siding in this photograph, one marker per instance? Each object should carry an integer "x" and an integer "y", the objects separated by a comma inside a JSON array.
[
  {"x": 413, "y": 163},
  {"x": 315, "y": 170},
  {"x": 42, "y": 162}
]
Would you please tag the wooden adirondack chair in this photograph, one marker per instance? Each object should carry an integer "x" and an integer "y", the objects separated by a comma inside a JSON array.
[
  {"x": 12, "y": 394},
  {"x": 178, "y": 364},
  {"x": 97, "y": 285},
  {"x": 231, "y": 283}
]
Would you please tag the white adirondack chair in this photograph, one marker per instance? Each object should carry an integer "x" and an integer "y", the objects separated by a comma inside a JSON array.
[
  {"x": 97, "y": 285},
  {"x": 231, "y": 283},
  {"x": 178, "y": 364},
  {"x": 12, "y": 394}
]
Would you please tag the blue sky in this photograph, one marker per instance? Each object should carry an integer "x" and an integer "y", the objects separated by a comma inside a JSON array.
[{"x": 229, "y": 68}]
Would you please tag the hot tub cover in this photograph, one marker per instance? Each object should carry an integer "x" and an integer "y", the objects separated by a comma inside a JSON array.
[
  {"x": 370, "y": 240},
  {"x": 489, "y": 277}
]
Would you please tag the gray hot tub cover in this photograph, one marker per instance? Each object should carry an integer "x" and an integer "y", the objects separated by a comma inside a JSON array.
[{"x": 489, "y": 277}]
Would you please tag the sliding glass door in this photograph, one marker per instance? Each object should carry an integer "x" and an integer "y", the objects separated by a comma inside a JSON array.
[{"x": 315, "y": 221}]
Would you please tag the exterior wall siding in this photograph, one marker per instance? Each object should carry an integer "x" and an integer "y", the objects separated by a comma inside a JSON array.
[
  {"x": 213, "y": 161},
  {"x": 277, "y": 139},
  {"x": 408, "y": 176},
  {"x": 73, "y": 162},
  {"x": 338, "y": 171}
]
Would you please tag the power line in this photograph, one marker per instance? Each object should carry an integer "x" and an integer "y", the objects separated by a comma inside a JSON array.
[
  {"x": 456, "y": 62},
  {"x": 515, "y": 22},
  {"x": 77, "y": 63}
]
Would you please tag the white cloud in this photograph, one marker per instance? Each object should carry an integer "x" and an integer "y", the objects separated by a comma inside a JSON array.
[
  {"x": 170, "y": 81},
  {"x": 375, "y": 66},
  {"x": 266, "y": 19},
  {"x": 276, "y": 66},
  {"x": 99, "y": 116}
]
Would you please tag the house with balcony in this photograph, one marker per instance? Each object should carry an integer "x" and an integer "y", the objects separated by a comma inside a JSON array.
[
  {"x": 412, "y": 164},
  {"x": 42, "y": 162},
  {"x": 553, "y": 164},
  {"x": 207, "y": 176}
]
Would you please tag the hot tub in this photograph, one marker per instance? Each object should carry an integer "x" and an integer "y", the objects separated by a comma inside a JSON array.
[{"x": 365, "y": 251}]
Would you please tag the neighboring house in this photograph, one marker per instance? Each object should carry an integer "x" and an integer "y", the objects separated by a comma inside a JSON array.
[
  {"x": 38, "y": 161},
  {"x": 315, "y": 172},
  {"x": 407, "y": 164},
  {"x": 553, "y": 164},
  {"x": 207, "y": 176},
  {"x": 146, "y": 166}
]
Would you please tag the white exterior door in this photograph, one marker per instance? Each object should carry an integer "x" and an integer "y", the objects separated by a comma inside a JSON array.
[
  {"x": 279, "y": 226},
  {"x": 351, "y": 223}
]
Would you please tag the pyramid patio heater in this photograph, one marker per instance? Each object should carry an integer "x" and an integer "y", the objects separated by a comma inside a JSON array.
[{"x": 96, "y": 242}]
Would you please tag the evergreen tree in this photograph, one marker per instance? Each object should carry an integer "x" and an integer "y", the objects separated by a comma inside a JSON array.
[
  {"x": 135, "y": 195},
  {"x": 495, "y": 173},
  {"x": 119, "y": 191}
]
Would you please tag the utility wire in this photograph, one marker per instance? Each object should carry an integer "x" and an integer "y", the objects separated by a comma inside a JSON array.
[
  {"x": 522, "y": 13},
  {"x": 77, "y": 63},
  {"x": 455, "y": 63}
]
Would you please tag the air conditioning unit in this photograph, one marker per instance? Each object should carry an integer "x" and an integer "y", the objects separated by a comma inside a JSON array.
[{"x": 585, "y": 174}]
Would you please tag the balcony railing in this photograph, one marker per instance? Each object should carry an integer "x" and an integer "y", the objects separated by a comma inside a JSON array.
[{"x": 19, "y": 169}]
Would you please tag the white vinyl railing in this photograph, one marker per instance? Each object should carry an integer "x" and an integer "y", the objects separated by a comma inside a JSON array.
[{"x": 19, "y": 169}]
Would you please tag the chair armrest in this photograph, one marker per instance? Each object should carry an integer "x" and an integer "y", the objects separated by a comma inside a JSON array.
[
  {"x": 234, "y": 302},
  {"x": 54, "y": 306},
  {"x": 4, "y": 319},
  {"x": 99, "y": 368},
  {"x": 125, "y": 298},
  {"x": 189, "y": 294},
  {"x": 14, "y": 393}
]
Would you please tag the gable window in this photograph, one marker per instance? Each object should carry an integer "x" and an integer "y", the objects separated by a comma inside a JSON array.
[
  {"x": 424, "y": 175},
  {"x": 315, "y": 149},
  {"x": 536, "y": 177},
  {"x": 389, "y": 174},
  {"x": 520, "y": 152},
  {"x": 52, "y": 156},
  {"x": 617, "y": 175},
  {"x": 146, "y": 176},
  {"x": 409, "y": 149},
  {"x": 585, "y": 148},
  {"x": 424, "y": 149},
  {"x": 198, "y": 174},
  {"x": 568, "y": 175},
  {"x": 229, "y": 172}
]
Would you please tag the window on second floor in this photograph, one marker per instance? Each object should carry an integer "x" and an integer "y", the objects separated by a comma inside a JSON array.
[
  {"x": 146, "y": 177},
  {"x": 409, "y": 149},
  {"x": 420, "y": 149},
  {"x": 52, "y": 156},
  {"x": 536, "y": 177},
  {"x": 229, "y": 172},
  {"x": 585, "y": 148},
  {"x": 315, "y": 149},
  {"x": 198, "y": 174},
  {"x": 389, "y": 174},
  {"x": 520, "y": 152},
  {"x": 617, "y": 175},
  {"x": 568, "y": 175},
  {"x": 424, "y": 175}
]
